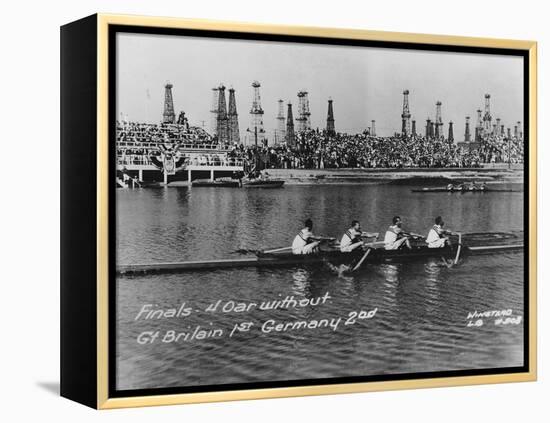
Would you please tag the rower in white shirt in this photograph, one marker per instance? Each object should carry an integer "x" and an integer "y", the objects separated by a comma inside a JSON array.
[
  {"x": 352, "y": 237},
  {"x": 437, "y": 236},
  {"x": 305, "y": 242},
  {"x": 395, "y": 237}
]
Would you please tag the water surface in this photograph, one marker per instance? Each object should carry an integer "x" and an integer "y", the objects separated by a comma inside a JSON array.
[{"x": 420, "y": 309}]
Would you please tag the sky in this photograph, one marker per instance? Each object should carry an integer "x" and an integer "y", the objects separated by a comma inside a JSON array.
[{"x": 364, "y": 83}]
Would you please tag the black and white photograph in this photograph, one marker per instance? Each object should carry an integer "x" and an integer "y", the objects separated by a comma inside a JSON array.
[{"x": 295, "y": 212}]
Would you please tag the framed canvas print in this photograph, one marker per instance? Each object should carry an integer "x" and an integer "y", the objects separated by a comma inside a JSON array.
[{"x": 255, "y": 211}]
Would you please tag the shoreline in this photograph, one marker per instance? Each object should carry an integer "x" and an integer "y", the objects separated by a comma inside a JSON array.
[
  {"x": 426, "y": 176},
  {"x": 430, "y": 177}
]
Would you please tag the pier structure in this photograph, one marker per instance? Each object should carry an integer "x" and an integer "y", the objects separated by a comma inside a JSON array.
[
  {"x": 280, "y": 132},
  {"x": 233, "y": 135},
  {"x": 406, "y": 115},
  {"x": 194, "y": 159},
  {"x": 169, "y": 116},
  {"x": 289, "y": 135},
  {"x": 303, "y": 121},
  {"x": 256, "y": 132},
  {"x": 330, "y": 119}
]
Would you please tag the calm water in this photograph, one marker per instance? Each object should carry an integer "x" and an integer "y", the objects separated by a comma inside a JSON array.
[{"x": 418, "y": 311}]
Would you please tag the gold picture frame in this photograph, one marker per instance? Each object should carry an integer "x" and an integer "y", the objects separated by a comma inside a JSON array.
[{"x": 98, "y": 319}]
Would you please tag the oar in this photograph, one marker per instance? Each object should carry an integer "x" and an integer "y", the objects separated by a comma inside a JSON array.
[
  {"x": 459, "y": 246},
  {"x": 371, "y": 246},
  {"x": 276, "y": 250},
  {"x": 452, "y": 263},
  {"x": 324, "y": 238},
  {"x": 358, "y": 265}
]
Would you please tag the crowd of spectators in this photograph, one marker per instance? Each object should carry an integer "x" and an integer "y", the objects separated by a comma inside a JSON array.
[
  {"x": 320, "y": 150},
  {"x": 135, "y": 132}
]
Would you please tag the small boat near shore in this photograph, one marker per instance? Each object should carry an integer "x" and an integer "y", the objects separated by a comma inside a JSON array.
[
  {"x": 216, "y": 183},
  {"x": 263, "y": 183}
]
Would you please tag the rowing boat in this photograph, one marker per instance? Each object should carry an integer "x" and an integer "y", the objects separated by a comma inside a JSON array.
[
  {"x": 282, "y": 257},
  {"x": 461, "y": 191}
]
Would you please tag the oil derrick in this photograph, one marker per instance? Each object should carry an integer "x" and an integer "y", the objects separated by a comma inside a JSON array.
[
  {"x": 413, "y": 128},
  {"x": 289, "y": 136},
  {"x": 168, "y": 116},
  {"x": 330, "y": 119},
  {"x": 467, "y": 135},
  {"x": 233, "y": 119},
  {"x": 497, "y": 128},
  {"x": 516, "y": 135},
  {"x": 520, "y": 132},
  {"x": 303, "y": 121},
  {"x": 373, "y": 128},
  {"x": 214, "y": 112},
  {"x": 281, "y": 125},
  {"x": 438, "y": 121},
  {"x": 406, "y": 115},
  {"x": 509, "y": 133},
  {"x": 451, "y": 136},
  {"x": 256, "y": 129},
  {"x": 487, "y": 118},
  {"x": 428, "y": 128},
  {"x": 432, "y": 129},
  {"x": 502, "y": 130},
  {"x": 479, "y": 126},
  {"x": 222, "y": 116}
]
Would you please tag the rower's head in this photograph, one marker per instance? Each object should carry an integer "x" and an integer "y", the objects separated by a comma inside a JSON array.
[
  {"x": 439, "y": 221},
  {"x": 308, "y": 224},
  {"x": 397, "y": 221},
  {"x": 355, "y": 224}
]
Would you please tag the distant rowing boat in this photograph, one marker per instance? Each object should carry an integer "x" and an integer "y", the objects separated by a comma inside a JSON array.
[
  {"x": 462, "y": 190},
  {"x": 283, "y": 257}
]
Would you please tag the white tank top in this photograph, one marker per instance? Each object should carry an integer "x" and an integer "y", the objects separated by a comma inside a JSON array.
[
  {"x": 300, "y": 240},
  {"x": 433, "y": 235},
  {"x": 390, "y": 237}
]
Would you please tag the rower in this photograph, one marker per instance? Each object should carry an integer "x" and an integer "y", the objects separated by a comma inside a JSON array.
[
  {"x": 436, "y": 237},
  {"x": 305, "y": 242},
  {"x": 352, "y": 238},
  {"x": 395, "y": 237}
]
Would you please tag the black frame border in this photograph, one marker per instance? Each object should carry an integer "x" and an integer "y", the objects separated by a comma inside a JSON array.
[{"x": 113, "y": 30}]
